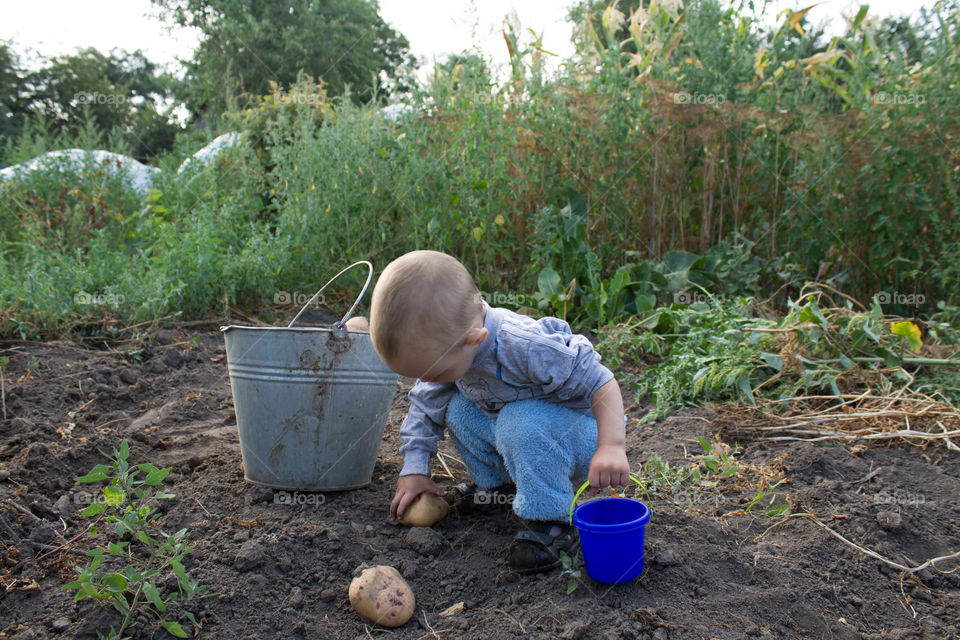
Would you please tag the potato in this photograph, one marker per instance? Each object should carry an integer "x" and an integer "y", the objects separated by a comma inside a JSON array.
[
  {"x": 359, "y": 323},
  {"x": 426, "y": 509},
  {"x": 381, "y": 596}
]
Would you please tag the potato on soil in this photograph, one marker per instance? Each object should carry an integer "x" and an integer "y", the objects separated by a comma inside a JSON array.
[
  {"x": 426, "y": 509},
  {"x": 381, "y": 596}
]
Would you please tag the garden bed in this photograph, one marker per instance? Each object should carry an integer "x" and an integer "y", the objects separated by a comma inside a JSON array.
[{"x": 719, "y": 563}]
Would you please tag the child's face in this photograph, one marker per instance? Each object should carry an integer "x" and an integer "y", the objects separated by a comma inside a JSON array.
[
  {"x": 431, "y": 363},
  {"x": 435, "y": 364}
]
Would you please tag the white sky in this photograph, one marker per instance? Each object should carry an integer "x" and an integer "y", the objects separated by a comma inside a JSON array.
[{"x": 434, "y": 28}]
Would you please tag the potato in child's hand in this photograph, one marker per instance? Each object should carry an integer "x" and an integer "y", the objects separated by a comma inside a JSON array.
[
  {"x": 381, "y": 596},
  {"x": 426, "y": 509}
]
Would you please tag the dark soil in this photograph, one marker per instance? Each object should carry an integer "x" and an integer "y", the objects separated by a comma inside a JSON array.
[{"x": 713, "y": 570}]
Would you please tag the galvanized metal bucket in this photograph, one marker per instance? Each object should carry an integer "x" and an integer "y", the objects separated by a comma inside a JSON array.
[{"x": 311, "y": 402}]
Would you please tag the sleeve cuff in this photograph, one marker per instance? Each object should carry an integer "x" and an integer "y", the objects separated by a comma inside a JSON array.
[
  {"x": 605, "y": 376},
  {"x": 416, "y": 461}
]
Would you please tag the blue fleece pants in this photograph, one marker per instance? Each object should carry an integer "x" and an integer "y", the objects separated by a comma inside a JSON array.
[{"x": 541, "y": 447}]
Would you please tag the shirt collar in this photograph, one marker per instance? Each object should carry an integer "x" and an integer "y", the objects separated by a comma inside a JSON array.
[{"x": 492, "y": 324}]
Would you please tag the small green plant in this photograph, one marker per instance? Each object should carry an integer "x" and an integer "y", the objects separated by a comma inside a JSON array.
[
  {"x": 770, "y": 508},
  {"x": 678, "y": 483},
  {"x": 568, "y": 564},
  {"x": 716, "y": 461},
  {"x": 126, "y": 574}
]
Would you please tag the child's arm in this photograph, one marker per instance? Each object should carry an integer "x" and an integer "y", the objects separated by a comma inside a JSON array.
[
  {"x": 420, "y": 433},
  {"x": 609, "y": 466}
]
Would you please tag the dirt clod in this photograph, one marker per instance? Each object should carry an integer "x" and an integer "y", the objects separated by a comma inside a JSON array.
[
  {"x": 667, "y": 557},
  {"x": 424, "y": 540},
  {"x": 576, "y": 630},
  {"x": 60, "y": 625},
  {"x": 329, "y": 595},
  {"x": 889, "y": 520},
  {"x": 295, "y": 598},
  {"x": 172, "y": 358},
  {"x": 250, "y": 556}
]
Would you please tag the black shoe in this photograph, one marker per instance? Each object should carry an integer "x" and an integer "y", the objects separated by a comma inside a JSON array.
[{"x": 537, "y": 545}]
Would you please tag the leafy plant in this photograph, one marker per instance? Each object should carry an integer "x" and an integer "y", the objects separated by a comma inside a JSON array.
[
  {"x": 124, "y": 573},
  {"x": 681, "y": 483},
  {"x": 568, "y": 564},
  {"x": 709, "y": 356},
  {"x": 721, "y": 350}
]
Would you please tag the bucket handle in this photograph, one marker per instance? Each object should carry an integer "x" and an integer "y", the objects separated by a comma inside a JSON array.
[
  {"x": 584, "y": 486},
  {"x": 339, "y": 325}
]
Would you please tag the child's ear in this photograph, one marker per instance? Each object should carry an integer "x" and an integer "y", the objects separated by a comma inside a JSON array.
[{"x": 475, "y": 335}]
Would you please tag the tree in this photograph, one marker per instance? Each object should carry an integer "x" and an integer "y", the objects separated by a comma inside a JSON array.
[
  {"x": 120, "y": 92},
  {"x": 12, "y": 88},
  {"x": 249, "y": 43}
]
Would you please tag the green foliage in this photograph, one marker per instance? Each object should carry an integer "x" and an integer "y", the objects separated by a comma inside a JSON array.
[
  {"x": 572, "y": 575},
  {"x": 247, "y": 44},
  {"x": 701, "y": 479},
  {"x": 721, "y": 350},
  {"x": 122, "y": 93},
  {"x": 707, "y": 353},
  {"x": 128, "y": 575},
  {"x": 272, "y": 119},
  {"x": 12, "y": 90},
  {"x": 679, "y": 154}
]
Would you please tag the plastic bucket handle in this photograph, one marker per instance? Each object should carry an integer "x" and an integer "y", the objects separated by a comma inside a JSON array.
[
  {"x": 583, "y": 488},
  {"x": 339, "y": 326}
]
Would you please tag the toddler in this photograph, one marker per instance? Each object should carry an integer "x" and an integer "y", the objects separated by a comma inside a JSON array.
[{"x": 525, "y": 401}]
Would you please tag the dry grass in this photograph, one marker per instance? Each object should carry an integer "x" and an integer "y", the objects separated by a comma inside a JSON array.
[{"x": 908, "y": 416}]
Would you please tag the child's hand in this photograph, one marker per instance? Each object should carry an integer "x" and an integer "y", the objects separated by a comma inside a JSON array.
[
  {"x": 609, "y": 468},
  {"x": 408, "y": 488}
]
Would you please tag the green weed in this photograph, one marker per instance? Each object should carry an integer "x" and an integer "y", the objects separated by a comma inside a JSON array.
[
  {"x": 573, "y": 575},
  {"x": 124, "y": 573}
]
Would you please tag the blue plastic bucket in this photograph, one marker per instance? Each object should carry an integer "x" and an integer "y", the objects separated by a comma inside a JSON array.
[{"x": 612, "y": 532}]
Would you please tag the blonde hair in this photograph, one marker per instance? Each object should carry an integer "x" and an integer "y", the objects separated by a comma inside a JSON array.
[{"x": 422, "y": 292}]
